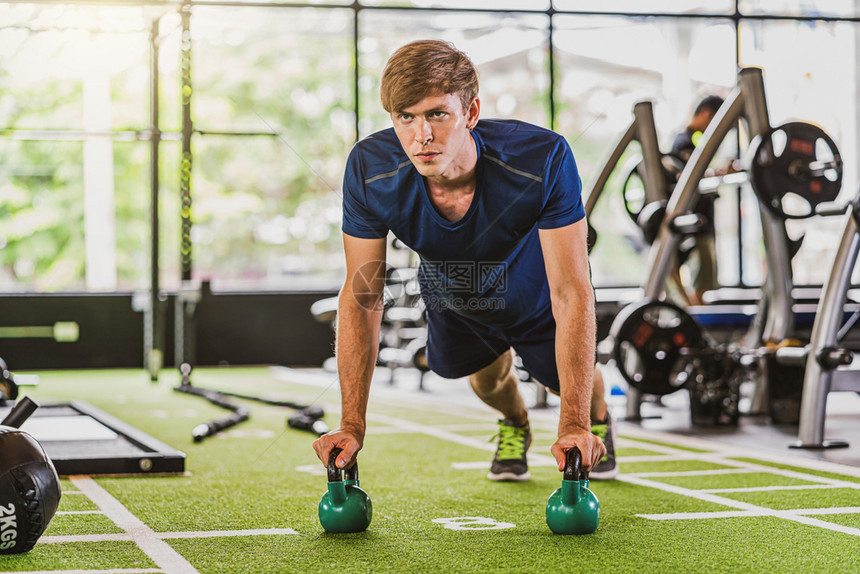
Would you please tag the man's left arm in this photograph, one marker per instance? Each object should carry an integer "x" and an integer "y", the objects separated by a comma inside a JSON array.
[{"x": 566, "y": 260}]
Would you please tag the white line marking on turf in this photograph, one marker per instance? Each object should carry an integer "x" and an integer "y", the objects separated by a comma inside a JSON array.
[
  {"x": 479, "y": 465},
  {"x": 471, "y": 427},
  {"x": 59, "y": 512},
  {"x": 770, "y": 488},
  {"x": 745, "y": 513},
  {"x": 468, "y": 406},
  {"x": 662, "y": 449},
  {"x": 684, "y": 456},
  {"x": 711, "y": 472},
  {"x": 164, "y": 556},
  {"x": 227, "y": 533},
  {"x": 701, "y": 515},
  {"x": 782, "y": 472},
  {"x": 111, "y": 571},
  {"x": 84, "y": 538},
  {"x": 641, "y": 481},
  {"x": 712, "y": 446},
  {"x": 837, "y": 510},
  {"x": 315, "y": 469},
  {"x": 387, "y": 430},
  {"x": 165, "y": 535},
  {"x": 473, "y": 523},
  {"x": 659, "y": 458},
  {"x": 434, "y": 432},
  {"x": 751, "y": 508},
  {"x": 470, "y": 465}
]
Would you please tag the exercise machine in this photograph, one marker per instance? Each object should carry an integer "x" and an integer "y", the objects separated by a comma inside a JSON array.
[
  {"x": 828, "y": 364},
  {"x": 646, "y": 209},
  {"x": 793, "y": 168}
]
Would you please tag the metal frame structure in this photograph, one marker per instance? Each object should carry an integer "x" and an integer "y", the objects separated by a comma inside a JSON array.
[
  {"x": 643, "y": 130},
  {"x": 820, "y": 375},
  {"x": 746, "y": 102}
]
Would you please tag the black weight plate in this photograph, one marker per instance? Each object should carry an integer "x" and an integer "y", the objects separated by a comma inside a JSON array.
[
  {"x": 650, "y": 220},
  {"x": 651, "y": 340},
  {"x": 633, "y": 191},
  {"x": 794, "y": 168}
]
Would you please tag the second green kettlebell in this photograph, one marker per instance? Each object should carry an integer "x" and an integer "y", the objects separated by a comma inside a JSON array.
[
  {"x": 573, "y": 508},
  {"x": 345, "y": 507}
]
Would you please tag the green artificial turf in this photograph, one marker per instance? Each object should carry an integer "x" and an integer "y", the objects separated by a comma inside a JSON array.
[
  {"x": 74, "y": 501},
  {"x": 643, "y": 442},
  {"x": 255, "y": 477},
  {"x": 621, "y": 451},
  {"x": 77, "y": 556},
  {"x": 70, "y": 524}
]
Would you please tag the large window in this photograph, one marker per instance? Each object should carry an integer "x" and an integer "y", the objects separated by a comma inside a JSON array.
[
  {"x": 73, "y": 191},
  {"x": 278, "y": 94},
  {"x": 800, "y": 86},
  {"x": 599, "y": 80},
  {"x": 266, "y": 203}
]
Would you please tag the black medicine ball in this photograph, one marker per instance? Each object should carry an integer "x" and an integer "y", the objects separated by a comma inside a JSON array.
[{"x": 29, "y": 491}]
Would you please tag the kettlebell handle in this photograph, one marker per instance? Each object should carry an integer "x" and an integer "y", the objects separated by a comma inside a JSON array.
[
  {"x": 573, "y": 465},
  {"x": 336, "y": 474}
]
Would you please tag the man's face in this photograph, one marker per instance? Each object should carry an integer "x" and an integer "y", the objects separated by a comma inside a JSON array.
[
  {"x": 702, "y": 119},
  {"x": 435, "y": 135}
]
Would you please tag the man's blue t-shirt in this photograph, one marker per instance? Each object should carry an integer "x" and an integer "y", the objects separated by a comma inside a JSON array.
[{"x": 488, "y": 265}]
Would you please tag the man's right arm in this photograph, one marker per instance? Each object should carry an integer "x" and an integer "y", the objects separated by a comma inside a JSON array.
[{"x": 358, "y": 318}]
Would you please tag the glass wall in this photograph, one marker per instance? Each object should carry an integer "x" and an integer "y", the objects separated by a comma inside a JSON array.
[
  {"x": 73, "y": 174},
  {"x": 599, "y": 79},
  {"x": 280, "y": 93},
  {"x": 266, "y": 203},
  {"x": 810, "y": 73}
]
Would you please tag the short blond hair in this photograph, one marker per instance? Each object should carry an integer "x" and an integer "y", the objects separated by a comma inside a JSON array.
[{"x": 424, "y": 68}]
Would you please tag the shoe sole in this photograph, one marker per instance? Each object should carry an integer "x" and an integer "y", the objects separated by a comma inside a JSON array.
[
  {"x": 605, "y": 475},
  {"x": 509, "y": 477}
]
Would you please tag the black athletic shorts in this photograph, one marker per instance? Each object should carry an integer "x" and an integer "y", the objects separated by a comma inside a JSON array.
[{"x": 457, "y": 346}]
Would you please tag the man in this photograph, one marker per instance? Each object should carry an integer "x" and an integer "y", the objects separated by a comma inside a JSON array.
[
  {"x": 493, "y": 209},
  {"x": 702, "y": 248}
]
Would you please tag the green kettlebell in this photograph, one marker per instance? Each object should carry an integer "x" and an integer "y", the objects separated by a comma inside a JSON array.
[
  {"x": 573, "y": 508},
  {"x": 345, "y": 507}
]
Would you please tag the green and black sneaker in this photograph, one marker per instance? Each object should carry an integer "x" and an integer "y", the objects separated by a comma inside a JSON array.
[
  {"x": 607, "y": 468},
  {"x": 510, "y": 463}
]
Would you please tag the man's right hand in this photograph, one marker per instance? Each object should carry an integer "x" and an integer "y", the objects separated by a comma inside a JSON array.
[
  {"x": 349, "y": 441},
  {"x": 590, "y": 445}
]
